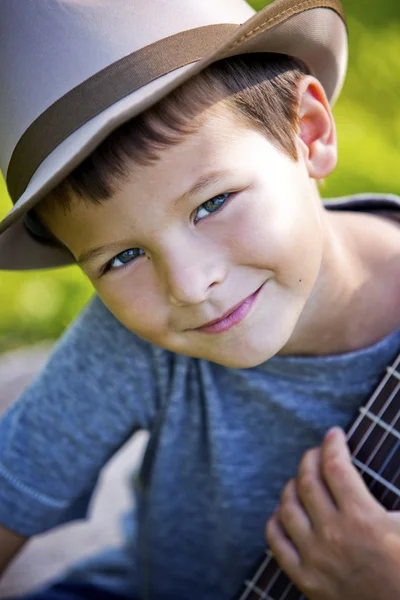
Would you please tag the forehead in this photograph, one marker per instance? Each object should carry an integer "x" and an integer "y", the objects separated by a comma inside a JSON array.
[
  {"x": 221, "y": 149},
  {"x": 193, "y": 154}
]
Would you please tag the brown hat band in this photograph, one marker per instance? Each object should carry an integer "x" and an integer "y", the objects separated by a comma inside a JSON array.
[{"x": 103, "y": 89}]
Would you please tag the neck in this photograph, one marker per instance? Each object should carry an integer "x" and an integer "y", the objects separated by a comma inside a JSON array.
[{"x": 348, "y": 291}]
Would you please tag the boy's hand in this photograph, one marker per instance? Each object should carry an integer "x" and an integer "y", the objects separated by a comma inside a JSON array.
[{"x": 330, "y": 535}]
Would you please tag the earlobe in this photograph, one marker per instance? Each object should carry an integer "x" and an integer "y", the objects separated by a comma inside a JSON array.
[{"x": 317, "y": 133}]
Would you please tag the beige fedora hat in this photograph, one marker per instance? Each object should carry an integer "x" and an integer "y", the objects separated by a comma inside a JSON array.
[{"x": 72, "y": 71}]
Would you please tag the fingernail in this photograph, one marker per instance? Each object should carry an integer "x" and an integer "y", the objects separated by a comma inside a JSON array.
[{"x": 333, "y": 431}]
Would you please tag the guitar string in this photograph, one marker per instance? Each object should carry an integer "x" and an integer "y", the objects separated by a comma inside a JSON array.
[
  {"x": 285, "y": 592},
  {"x": 272, "y": 582},
  {"x": 373, "y": 398},
  {"x": 373, "y": 428},
  {"x": 396, "y": 502},
  {"x": 260, "y": 571},
  {"x": 395, "y": 478},
  {"x": 386, "y": 463},
  {"x": 251, "y": 585},
  {"x": 397, "y": 499},
  {"x": 268, "y": 589},
  {"x": 289, "y": 587},
  {"x": 397, "y": 473},
  {"x": 369, "y": 405},
  {"x": 367, "y": 408},
  {"x": 388, "y": 460}
]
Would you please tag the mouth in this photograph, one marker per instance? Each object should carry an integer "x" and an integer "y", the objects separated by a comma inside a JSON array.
[{"x": 232, "y": 317}]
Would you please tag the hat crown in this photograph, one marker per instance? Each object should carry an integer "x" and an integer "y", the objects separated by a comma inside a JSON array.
[
  {"x": 48, "y": 47},
  {"x": 72, "y": 71}
]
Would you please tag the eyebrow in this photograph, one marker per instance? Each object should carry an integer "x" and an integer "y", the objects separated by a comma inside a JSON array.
[{"x": 205, "y": 181}]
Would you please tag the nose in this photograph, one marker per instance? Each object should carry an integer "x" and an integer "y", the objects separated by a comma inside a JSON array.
[{"x": 191, "y": 270}]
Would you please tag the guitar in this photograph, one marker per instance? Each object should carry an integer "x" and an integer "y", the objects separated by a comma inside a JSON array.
[{"x": 374, "y": 442}]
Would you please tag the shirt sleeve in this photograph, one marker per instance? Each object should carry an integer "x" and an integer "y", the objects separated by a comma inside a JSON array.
[{"x": 95, "y": 391}]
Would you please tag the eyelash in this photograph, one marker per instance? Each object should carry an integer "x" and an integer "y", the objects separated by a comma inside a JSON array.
[{"x": 108, "y": 266}]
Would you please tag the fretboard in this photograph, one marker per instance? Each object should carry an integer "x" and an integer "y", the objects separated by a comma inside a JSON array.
[{"x": 374, "y": 442}]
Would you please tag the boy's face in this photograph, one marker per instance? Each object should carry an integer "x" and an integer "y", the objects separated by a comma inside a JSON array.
[{"x": 255, "y": 226}]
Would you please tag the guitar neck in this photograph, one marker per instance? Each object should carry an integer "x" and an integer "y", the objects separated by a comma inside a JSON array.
[{"x": 374, "y": 442}]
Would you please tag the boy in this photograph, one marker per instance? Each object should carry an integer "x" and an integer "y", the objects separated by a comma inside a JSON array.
[{"x": 237, "y": 319}]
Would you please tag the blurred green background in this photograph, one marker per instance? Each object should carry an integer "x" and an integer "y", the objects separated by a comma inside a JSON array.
[{"x": 40, "y": 305}]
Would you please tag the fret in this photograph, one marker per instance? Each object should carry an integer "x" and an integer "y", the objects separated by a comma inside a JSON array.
[
  {"x": 390, "y": 471},
  {"x": 256, "y": 590},
  {"x": 388, "y": 411},
  {"x": 396, "y": 503},
  {"x": 375, "y": 440},
  {"x": 376, "y": 476},
  {"x": 374, "y": 443},
  {"x": 260, "y": 570},
  {"x": 381, "y": 423},
  {"x": 384, "y": 459},
  {"x": 378, "y": 445},
  {"x": 363, "y": 444},
  {"x": 375, "y": 437},
  {"x": 387, "y": 498},
  {"x": 280, "y": 587},
  {"x": 271, "y": 579},
  {"x": 257, "y": 593},
  {"x": 269, "y": 582},
  {"x": 366, "y": 448},
  {"x": 382, "y": 407},
  {"x": 379, "y": 396},
  {"x": 394, "y": 372}
]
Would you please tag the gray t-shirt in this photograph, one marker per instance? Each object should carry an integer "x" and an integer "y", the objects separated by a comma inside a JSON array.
[{"x": 223, "y": 442}]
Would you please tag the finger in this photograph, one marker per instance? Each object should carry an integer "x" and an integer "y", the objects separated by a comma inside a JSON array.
[
  {"x": 394, "y": 515},
  {"x": 312, "y": 489},
  {"x": 343, "y": 479},
  {"x": 293, "y": 517},
  {"x": 392, "y": 538},
  {"x": 282, "y": 548}
]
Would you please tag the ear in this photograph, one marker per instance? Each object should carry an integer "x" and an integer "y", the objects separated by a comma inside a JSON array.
[{"x": 317, "y": 135}]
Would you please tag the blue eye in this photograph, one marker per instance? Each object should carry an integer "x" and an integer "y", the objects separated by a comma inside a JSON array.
[
  {"x": 128, "y": 256},
  {"x": 211, "y": 206},
  {"x": 124, "y": 258}
]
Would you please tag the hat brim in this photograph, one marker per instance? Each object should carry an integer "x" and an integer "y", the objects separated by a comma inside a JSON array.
[{"x": 313, "y": 31}]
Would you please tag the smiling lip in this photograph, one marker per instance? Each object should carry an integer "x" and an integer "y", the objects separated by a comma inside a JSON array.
[{"x": 234, "y": 316}]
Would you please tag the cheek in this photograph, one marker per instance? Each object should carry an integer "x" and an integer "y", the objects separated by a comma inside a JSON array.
[
  {"x": 280, "y": 236},
  {"x": 134, "y": 301}
]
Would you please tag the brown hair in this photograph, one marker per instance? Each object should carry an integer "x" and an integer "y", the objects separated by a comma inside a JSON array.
[{"x": 260, "y": 90}]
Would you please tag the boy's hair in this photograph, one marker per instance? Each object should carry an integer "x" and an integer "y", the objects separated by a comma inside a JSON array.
[{"x": 260, "y": 90}]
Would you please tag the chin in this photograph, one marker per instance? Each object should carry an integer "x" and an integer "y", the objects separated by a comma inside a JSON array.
[
  {"x": 247, "y": 353},
  {"x": 240, "y": 363},
  {"x": 244, "y": 359}
]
